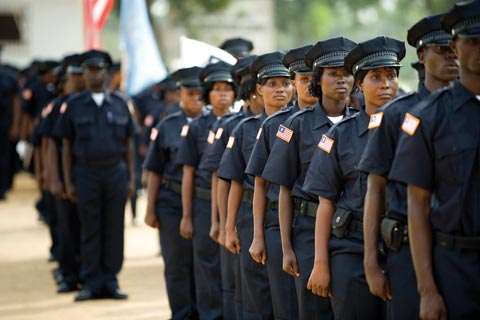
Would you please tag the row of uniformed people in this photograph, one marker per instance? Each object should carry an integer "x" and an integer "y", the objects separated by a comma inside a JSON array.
[{"x": 293, "y": 179}]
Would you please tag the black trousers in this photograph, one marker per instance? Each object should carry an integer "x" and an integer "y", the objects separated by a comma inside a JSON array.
[
  {"x": 257, "y": 302},
  {"x": 231, "y": 285},
  {"x": 405, "y": 302},
  {"x": 177, "y": 253},
  {"x": 102, "y": 194},
  {"x": 310, "y": 305},
  {"x": 68, "y": 241},
  {"x": 457, "y": 276},
  {"x": 282, "y": 285},
  {"x": 351, "y": 297},
  {"x": 206, "y": 260}
]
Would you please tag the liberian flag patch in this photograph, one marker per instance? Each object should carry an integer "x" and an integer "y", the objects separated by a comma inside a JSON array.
[
  {"x": 326, "y": 144},
  {"x": 284, "y": 133},
  {"x": 375, "y": 120},
  {"x": 410, "y": 124}
]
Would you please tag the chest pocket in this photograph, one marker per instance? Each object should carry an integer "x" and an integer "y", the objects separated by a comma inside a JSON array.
[
  {"x": 454, "y": 159},
  {"x": 85, "y": 128},
  {"x": 120, "y": 124}
]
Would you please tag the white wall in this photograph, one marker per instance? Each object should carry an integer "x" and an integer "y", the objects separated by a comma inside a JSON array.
[{"x": 49, "y": 29}]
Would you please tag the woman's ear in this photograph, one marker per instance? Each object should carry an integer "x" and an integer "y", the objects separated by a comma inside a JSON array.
[
  {"x": 359, "y": 85},
  {"x": 260, "y": 89}
]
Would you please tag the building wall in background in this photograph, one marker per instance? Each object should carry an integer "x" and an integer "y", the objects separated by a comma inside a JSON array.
[{"x": 49, "y": 29}]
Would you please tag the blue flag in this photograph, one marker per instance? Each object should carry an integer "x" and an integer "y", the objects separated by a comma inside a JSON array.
[{"x": 144, "y": 65}]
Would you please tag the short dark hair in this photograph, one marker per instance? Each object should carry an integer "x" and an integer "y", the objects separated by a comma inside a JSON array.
[{"x": 208, "y": 86}]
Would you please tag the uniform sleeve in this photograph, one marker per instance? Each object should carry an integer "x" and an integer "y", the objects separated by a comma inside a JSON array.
[
  {"x": 380, "y": 150},
  {"x": 232, "y": 165},
  {"x": 188, "y": 152},
  {"x": 324, "y": 176},
  {"x": 413, "y": 162},
  {"x": 282, "y": 166},
  {"x": 64, "y": 128},
  {"x": 157, "y": 155},
  {"x": 260, "y": 153}
]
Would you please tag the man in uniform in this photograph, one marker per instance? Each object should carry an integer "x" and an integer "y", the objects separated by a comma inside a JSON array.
[
  {"x": 433, "y": 52},
  {"x": 438, "y": 158},
  {"x": 98, "y": 164}
]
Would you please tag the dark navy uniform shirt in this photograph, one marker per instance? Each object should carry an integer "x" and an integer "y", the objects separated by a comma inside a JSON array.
[
  {"x": 97, "y": 133},
  {"x": 265, "y": 140},
  {"x": 225, "y": 130},
  {"x": 438, "y": 151},
  {"x": 193, "y": 147},
  {"x": 333, "y": 171},
  {"x": 164, "y": 146},
  {"x": 289, "y": 161},
  {"x": 238, "y": 151},
  {"x": 35, "y": 96},
  {"x": 383, "y": 137}
]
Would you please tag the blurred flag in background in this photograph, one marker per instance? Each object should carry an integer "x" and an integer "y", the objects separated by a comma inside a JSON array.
[
  {"x": 198, "y": 53},
  {"x": 143, "y": 63},
  {"x": 95, "y": 15}
]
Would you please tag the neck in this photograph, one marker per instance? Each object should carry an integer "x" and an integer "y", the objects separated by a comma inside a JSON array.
[
  {"x": 96, "y": 90},
  {"x": 191, "y": 114},
  {"x": 269, "y": 110},
  {"x": 302, "y": 104},
  {"x": 255, "y": 108},
  {"x": 333, "y": 108},
  {"x": 470, "y": 81},
  {"x": 370, "y": 108},
  {"x": 433, "y": 84},
  {"x": 218, "y": 112}
]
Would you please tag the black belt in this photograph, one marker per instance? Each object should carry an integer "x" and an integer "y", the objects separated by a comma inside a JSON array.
[
  {"x": 99, "y": 163},
  {"x": 456, "y": 242},
  {"x": 304, "y": 207},
  {"x": 247, "y": 196},
  {"x": 203, "y": 194},
  {"x": 355, "y": 226},
  {"x": 172, "y": 186}
]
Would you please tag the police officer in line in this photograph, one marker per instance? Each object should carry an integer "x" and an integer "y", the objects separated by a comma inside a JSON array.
[
  {"x": 272, "y": 80},
  {"x": 332, "y": 175},
  {"x": 230, "y": 263},
  {"x": 9, "y": 126},
  {"x": 237, "y": 47},
  {"x": 218, "y": 91},
  {"x": 164, "y": 203},
  {"x": 265, "y": 246},
  {"x": 291, "y": 157},
  {"x": 398, "y": 282},
  {"x": 68, "y": 276},
  {"x": 98, "y": 164},
  {"x": 438, "y": 158}
]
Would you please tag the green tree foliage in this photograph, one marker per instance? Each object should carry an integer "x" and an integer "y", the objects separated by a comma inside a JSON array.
[
  {"x": 184, "y": 9},
  {"x": 301, "y": 22}
]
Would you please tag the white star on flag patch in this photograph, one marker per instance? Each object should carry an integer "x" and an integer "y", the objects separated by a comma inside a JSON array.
[
  {"x": 326, "y": 144},
  {"x": 284, "y": 133},
  {"x": 410, "y": 124}
]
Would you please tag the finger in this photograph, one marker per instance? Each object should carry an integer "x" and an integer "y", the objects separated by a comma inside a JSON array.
[
  {"x": 387, "y": 289},
  {"x": 264, "y": 258},
  {"x": 295, "y": 269}
]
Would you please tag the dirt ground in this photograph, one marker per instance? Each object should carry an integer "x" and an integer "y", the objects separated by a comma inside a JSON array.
[{"x": 27, "y": 289}]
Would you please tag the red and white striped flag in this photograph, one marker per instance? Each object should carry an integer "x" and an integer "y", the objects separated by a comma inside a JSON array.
[{"x": 95, "y": 15}]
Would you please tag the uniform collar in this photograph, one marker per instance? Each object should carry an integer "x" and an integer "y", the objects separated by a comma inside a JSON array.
[
  {"x": 423, "y": 92},
  {"x": 363, "y": 120},
  {"x": 461, "y": 95},
  {"x": 320, "y": 116},
  {"x": 108, "y": 96}
]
